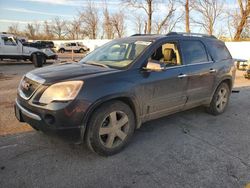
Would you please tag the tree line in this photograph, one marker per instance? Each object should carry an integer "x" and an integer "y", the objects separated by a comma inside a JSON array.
[{"x": 213, "y": 17}]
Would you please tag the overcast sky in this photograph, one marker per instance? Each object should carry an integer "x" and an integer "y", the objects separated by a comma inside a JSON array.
[{"x": 26, "y": 11}]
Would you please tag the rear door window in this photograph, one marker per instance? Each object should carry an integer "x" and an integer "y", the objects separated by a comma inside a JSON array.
[
  {"x": 219, "y": 51},
  {"x": 194, "y": 52}
]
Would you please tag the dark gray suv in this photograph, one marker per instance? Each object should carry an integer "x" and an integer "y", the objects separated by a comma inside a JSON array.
[{"x": 128, "y": 81}]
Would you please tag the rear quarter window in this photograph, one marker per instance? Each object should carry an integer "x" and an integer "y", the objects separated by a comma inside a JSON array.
[{"x": 218, "y": 50}]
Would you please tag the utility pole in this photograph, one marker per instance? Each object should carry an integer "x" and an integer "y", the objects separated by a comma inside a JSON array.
[{"x": 187, "y": 16}]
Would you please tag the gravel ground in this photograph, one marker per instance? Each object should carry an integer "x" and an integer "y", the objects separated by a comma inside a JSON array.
[{"x": 188, "y": 149}]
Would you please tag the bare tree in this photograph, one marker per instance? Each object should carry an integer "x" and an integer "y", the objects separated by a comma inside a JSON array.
[
  {"x": 246, "y": 32},
  {"x": 37, "y": 28},
  {"x": 139, "y": 23},
  {"x": 170, "y": 20},
  {"x": 243, "y": 17},
  {"x": 90, "y": 20},
  {"x": 147, "y": 6},
  {"x": 118, "y": 23},
  {"x": 73, "y": 29},
  {"x": 187, "y": 17},
  {"x": 30, "y": 31},
  {"x": 232, "y": 19},
  {"x": 208, "y": 13},
  {"x": 47, "y": 31},
  {"x": 14, "y": 29},
  {"x": 187, "y": 6},
  {"x": 59, "y": 28},
  {"x": 107, "y": 23}
]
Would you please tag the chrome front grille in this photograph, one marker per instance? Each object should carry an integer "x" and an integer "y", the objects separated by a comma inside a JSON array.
[{"x": 27, "y": 87}]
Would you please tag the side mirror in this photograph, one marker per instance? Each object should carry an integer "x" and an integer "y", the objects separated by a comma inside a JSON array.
[{"x": 153, "y": 66}]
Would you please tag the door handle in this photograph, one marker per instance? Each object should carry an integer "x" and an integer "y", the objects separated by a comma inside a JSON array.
[
  {"x": 212, "y": 70},
  {"x": 182, "y": 76}
]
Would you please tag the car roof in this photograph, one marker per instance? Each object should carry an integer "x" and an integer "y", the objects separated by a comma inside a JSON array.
[{"x": 173, "y": 35}]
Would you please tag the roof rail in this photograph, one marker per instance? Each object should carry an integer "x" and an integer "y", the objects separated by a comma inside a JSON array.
[
  {"x": 191, "y": 34},
  {"x": 135, "y": 35}
]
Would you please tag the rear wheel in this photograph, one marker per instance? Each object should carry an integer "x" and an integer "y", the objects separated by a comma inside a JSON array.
[
  {"x": 220, "y": 99},
  {"x": 81, "y": 50},
  {"x": 61, "y": 50},
  {"x": 38, "y": 60},
  {"x": 110, "y": 128}
]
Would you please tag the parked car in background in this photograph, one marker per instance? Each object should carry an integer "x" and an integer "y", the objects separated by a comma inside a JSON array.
[
  {"x": 126, "y": 82},
  {"x": 40, "y": 44},
  {"x": 247, "y": 73},
  {"x": 242, "y": 64},
  {"x": 12, "y": 48},
  {"x": 77, "y": 47},
  {"x": 46, "y": 44}
]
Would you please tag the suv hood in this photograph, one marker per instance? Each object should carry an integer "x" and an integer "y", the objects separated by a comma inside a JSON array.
[{"x": 60, "y": 72}]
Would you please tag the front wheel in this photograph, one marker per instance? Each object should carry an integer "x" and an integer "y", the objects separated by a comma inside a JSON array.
[
  {"x": 220, "y": 99},
  {"x": 110, "y": 128}
]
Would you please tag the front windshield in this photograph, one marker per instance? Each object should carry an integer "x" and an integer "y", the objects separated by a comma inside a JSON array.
[{"x": 116, "y": 54}]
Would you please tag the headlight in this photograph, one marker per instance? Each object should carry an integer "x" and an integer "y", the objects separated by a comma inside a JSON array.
[{"x": 63, "y": 91}]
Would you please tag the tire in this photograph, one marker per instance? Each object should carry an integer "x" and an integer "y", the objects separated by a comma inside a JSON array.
[
  {"x": 43, "y": 60},
  {"x": 81, "y": 51},
  {"x": 107, "y": 138},
  {"x": 220, "y": 100},
  {"x": 61, "y": 50},
  {"x": 36, "y": 61}
]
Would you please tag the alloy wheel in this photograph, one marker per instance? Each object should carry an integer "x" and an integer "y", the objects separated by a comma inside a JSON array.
[
  {"x": 114, "y": 129},
  {"x": 222, "y": 99}
]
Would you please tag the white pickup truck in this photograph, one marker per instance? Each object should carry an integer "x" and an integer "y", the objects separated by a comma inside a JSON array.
[{"x": 12, "y": 48}]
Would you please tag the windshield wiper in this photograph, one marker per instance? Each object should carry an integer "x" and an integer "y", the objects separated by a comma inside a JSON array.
[{"x": 97, "y": 64}]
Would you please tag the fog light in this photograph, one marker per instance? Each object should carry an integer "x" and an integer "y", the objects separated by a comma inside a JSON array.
[{"x": 49, "y": 119}]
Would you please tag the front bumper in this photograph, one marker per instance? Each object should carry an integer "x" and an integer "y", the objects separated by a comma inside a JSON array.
[
  {"x": 20, "y": 111},
  {"x": 64, "y": 117}
]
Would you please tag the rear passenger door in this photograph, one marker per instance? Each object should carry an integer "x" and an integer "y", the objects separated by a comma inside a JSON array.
[{"x": 200, "y": 71}]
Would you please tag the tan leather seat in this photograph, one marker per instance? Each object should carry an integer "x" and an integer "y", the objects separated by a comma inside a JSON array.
[{"x": 169, "y": 56}]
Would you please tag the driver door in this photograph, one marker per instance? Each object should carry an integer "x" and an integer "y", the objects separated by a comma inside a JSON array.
[
  {"x": 165, "y": 90},
  {"x": 10, "y": 47}
]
